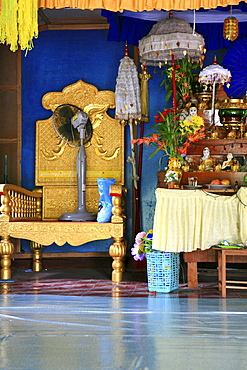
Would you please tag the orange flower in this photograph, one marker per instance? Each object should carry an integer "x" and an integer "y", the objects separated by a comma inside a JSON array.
[
  {"x": 146, "y": 140},
  {"x": 182, "y": 151}
]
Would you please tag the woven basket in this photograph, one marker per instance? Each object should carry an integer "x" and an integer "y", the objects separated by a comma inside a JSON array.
[{"x": 163, "y": 271}]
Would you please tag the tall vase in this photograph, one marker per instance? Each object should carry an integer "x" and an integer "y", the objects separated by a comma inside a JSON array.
[{"x": 174, "y": 165}]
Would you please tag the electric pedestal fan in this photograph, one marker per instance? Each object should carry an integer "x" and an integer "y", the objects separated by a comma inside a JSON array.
[{"x": 74, "y": 127}]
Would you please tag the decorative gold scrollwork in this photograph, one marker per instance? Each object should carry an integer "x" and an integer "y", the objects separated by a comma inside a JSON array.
[
  {"x": 96, "y": 113},
  {"x": 56, "y": 152}
]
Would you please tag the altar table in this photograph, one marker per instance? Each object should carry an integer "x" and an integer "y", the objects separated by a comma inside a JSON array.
[{"x": 188, "y": 220}]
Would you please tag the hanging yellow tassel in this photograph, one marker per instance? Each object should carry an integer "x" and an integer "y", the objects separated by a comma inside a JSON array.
[
  {"x": 18, "y": 23},
  {"x": 27, "y": 23},
  {"x": 230, "y": 29},
  {"x": 8, "y": 24}
]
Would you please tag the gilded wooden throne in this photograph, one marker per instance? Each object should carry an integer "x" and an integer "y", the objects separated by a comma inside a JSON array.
[{"x": 33, "y": 215}]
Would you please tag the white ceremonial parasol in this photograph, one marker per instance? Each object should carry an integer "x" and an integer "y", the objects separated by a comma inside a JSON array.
[
  {"x": 169, "y": 39},
  {"x": 128, "y": 100},
  {"x": 212, "y": 75}
]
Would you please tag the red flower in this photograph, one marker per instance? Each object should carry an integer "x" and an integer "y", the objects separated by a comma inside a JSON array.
[
  {"x": 159, "y": 118},
  {"x": 185, "y": 97}
]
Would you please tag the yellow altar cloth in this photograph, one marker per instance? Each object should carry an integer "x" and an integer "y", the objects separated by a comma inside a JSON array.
[{"x": 186, "y": 220}]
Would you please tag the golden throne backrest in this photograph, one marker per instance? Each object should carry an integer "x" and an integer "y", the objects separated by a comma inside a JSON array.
[{"x": 56, "y": 160}]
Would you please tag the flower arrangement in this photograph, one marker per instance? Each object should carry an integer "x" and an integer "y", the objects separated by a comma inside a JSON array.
[
  {"x": 143, "y": 244},
  {"x": 172, "y": 135}
]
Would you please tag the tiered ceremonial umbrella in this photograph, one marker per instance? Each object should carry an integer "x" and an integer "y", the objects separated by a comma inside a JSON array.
[
  {"x": 128, "y": 109},
  {"x": 171, "y": 38},
  {"x": 128, "y": 102},
  {"x": 212, "y": 75}
]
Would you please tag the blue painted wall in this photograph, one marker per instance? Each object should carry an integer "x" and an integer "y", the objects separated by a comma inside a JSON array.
[{"x": 60, "y": 58}]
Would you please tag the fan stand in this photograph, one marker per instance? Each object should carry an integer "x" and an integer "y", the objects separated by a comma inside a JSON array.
[{"x": 81, "y": 214}]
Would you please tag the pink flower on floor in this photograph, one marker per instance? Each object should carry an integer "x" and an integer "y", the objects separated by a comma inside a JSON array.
[
  {"x": 143, "y": 243},
  {"x": 139, "y": 236}
]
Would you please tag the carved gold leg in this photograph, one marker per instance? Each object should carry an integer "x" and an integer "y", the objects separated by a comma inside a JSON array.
[
  {"x": 6, "y": 249},
  {"x": 117, "y": 251},
  {"x": 37, "y": 256}
]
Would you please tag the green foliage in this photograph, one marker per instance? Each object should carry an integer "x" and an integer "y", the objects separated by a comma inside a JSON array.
[{"x": 183, "y": 77}]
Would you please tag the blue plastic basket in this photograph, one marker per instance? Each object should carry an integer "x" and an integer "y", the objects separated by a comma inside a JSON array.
[{"x": 163, "y": 271}]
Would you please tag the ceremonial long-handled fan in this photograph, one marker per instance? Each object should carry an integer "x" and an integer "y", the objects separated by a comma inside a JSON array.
[
  {"x": 74, "y": 127},
  {"x": 236, "y": 61}
]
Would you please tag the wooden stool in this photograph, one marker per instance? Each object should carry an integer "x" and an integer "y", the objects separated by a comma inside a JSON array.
[{"x": 222, "y": 260}]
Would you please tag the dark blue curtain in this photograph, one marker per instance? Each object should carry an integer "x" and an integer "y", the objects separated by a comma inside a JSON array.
[{"x": 123, "y": 28}]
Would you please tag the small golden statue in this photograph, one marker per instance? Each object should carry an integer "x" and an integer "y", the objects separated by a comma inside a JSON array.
[
  {"x": 201, "y": 167},
  {"x": 186, "y": 166},
  {"x": 228, "y": 163},
  {"x": 232, "y": 134},
  {"x": 214, "y": 135},
  {"x": 207, "y": 163},
  {"x": 235, "y": 165},
  {"x": 217, "y": 167}
]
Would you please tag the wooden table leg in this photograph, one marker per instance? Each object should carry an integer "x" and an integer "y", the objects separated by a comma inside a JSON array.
[
  {"x": 223, "y": 274},
  {"x": 192, "y": 275},
  {"x": 220, "y": 270}
]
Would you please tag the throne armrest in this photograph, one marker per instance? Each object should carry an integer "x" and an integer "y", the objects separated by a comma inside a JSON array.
[
  {"x": 117, "y": 192},
  {"x": 19, "y": 204}
]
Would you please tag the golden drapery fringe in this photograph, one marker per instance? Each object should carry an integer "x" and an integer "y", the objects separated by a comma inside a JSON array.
[
  {"x": 18, "y": 23},
  {"x": 136, "y": 5}
]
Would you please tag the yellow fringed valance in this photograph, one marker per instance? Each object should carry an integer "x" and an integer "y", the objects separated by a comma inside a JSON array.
[
  {"x": 136, "y": 5},
  {"x": 18, "y": 23},
  {"x": 187, "y": 220}
]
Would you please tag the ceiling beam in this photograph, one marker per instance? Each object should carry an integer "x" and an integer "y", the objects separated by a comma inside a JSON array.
[{"x": 43, "y": 16}]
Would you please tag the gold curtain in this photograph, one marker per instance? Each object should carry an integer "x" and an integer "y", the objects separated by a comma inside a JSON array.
[{"x": 136, "y": 5}]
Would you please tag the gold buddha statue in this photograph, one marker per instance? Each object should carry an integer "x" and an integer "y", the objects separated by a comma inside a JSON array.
[
  {"x": 228, "y": 163},
  {"x": 186, "y": 166},
  {"x": 235, "y": 165},
  {"x": 207, "y": 163},
  {"x": 217, "y": 167}
]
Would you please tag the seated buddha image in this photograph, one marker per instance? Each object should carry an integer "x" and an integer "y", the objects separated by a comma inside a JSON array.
[
  {"x": 186, "y": 166},
  {"x": 207, "y": 163},
  {"x": 217, "y": 167},
  {"x": 227, "y": 164},
  {"x": 192, "y": 112},
  {"x": 235, "y": 165}
]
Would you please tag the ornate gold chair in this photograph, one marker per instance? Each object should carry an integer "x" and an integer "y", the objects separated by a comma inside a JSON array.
[{"x": 33, "y": 215}]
